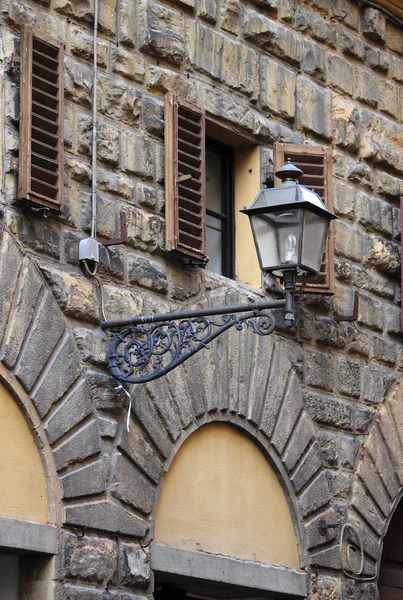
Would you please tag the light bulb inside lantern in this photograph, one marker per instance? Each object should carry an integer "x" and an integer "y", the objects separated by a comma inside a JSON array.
[{"x": 290, "y": 247}]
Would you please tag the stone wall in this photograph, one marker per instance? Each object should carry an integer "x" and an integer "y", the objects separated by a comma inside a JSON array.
[{"x": 321, "y": 71}]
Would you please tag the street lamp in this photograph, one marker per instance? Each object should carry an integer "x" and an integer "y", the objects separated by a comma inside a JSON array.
[{"x": 289, "y": 225}]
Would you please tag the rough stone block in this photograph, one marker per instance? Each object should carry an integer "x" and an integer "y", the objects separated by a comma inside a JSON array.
[
  {"x": 81, "y": 9},
  {"x": 359, "y": 342},
  {"x": 381, "y": 254},
  {"x": 164, "y": 80},
  {"x": 18, "y": 13},
  {"x": 161, "y": 32},
  {"x": 373, "y": 24},
  {"x": 384, "y": 350},
  {"x": 313, "y": 60},
  {"x": 366, "y": 86},
  {"x": 273, "y": 37},
  {"x": 93, "y": 346},
  {"x": 121, "y": 303},
  {"x": 87, "y": 480},
  {"x": 137, "y": 155},
  {"x": 91, "y": 559},
  {"x": 359, "y": 172},
  {"x": 302, "y": 435},
  {"x": 348, "y": 241},
  {"x": 72, "y": 411},
  {"x": 76, "y": 296},
  {"x": 137, "y": 447},
  {"x": 374, "y": 213},
  {"x": 340, "y": 73},
  {"x": 346, "y": 125},
  {"x": 153, "y": 116},
  {"x": 349, "y": 12},
  {"x": 106, "y": 515},
  {"x": 127, "y": 22},
  {"x": 10, "y": 264},
  {"x": 370, "y": 313},
  {"x": 159, "y": 395},
  {"x": 311, "y": 463},
  {"x": 83, "y": 443},
  {"x": 344, "y": 199},
  {"x": 328, "y": 443},
  {"x": 208, "y": 10},
  {"x": 314, "y": 25},
  {"x": 348, "y": 376},
  {"x": 389, "y": 99},
  {"x": 394, "y": 39},
  {"x": 277, "y": 88},
  {"x": 107, "y": 427},
  {"x": 36, "y": 234},
  {"x": 351, "y": 44},
  {"x": 147, "y": 416},
  {"x": 376, "y": 59},
  {"x": 131, "y": 487},
  {"x": 317, "y": 494},
  {"x": 147, "y": 273},
  {"x": 290, "y": 409},
  {"x": 229, "y": 17},
  {"x": 331, "y": 333},
  {"x": 323, "y": 586},
  {"x": 43, "y": 337},
  {"x": 375, "y": 446},
  {"x": 128, "y": 65},
  {"x": 314, "y": 107},
  {"x": 134, "y": 565},
  {"x": 24, "y": 303},
  {"x": 396, "y": 69},
  {"x": 78, "y": 82},
  {"x": 107, "y": 16},
  {"x": 381, "y": 140},
  {"x": 222, "y": 58},
  {"x": 388, "y": 185},
  {"x": 82, "y": 45},
  {"x": 104, "y": 395},
  {"x": 318, "y": 369},
  {"x": 329, "y": 411}
]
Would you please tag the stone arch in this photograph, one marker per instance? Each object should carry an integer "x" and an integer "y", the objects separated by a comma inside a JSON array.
[
  {"x": 378, "y": 481},
  {"x": 264, "y": 398},
  {"x": 40, "y": 364}
]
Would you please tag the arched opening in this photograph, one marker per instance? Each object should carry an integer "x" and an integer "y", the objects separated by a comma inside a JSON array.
[
  {"x": 391, "y": 569},
  {"x": 223, "y": 516},
  {"x": 27, "y": 539}
]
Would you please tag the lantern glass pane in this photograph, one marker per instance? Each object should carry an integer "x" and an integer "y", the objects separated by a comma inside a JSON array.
[
  {"x": 277, "y": 238},
  {"x": 314, "y": 239}
]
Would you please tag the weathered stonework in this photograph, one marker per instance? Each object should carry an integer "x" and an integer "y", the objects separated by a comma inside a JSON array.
[{"x": 326, "y": 72}]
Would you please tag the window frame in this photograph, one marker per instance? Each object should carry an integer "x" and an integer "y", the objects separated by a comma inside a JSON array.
[{"x": 227, "y": 215}]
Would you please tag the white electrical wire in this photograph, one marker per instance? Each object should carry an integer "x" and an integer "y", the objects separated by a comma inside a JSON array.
[
  {"x": 119, "y": 388},
  {"x": 348, "y": 570}
]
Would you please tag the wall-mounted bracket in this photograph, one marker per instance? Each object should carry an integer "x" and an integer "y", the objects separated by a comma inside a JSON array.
[
  {"x": 323, "y": 526},
  {"x": 123, "y": 233},
  {"x": 354, "y": 316}
]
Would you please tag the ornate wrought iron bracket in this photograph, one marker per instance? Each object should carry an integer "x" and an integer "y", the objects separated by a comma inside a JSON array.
[{"x": 145, "y": 348}]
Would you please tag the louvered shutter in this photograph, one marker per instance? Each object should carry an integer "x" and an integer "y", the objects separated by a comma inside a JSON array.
[
  {"x": 41, "y": 119},
  {"x": 316, "y": 163},
  {"x": 185, "y": 204}
]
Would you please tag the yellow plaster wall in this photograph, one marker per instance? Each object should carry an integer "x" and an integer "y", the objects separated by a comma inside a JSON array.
[
  {"x": 221, "y": 495},
  {"x": 247, "y": 186},
  {"x": 22, "y": 479}
]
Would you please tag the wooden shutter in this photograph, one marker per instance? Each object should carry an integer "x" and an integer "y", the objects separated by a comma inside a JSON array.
[
  {"x": 41, "y": 119},
  {"x": 316, "y": 163},
  {"x": 185, "y": 203}
]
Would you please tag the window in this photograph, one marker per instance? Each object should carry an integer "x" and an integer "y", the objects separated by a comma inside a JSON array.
[
  {"x": 316, "y": 163},
  {"x": 208, "y": 183},
  {"x": 219, "y": 208},
  {"x": 41, "y": 119}
]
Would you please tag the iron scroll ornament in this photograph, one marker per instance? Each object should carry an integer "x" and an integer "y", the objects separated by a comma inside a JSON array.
[{"x": 141, "y": 353}]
